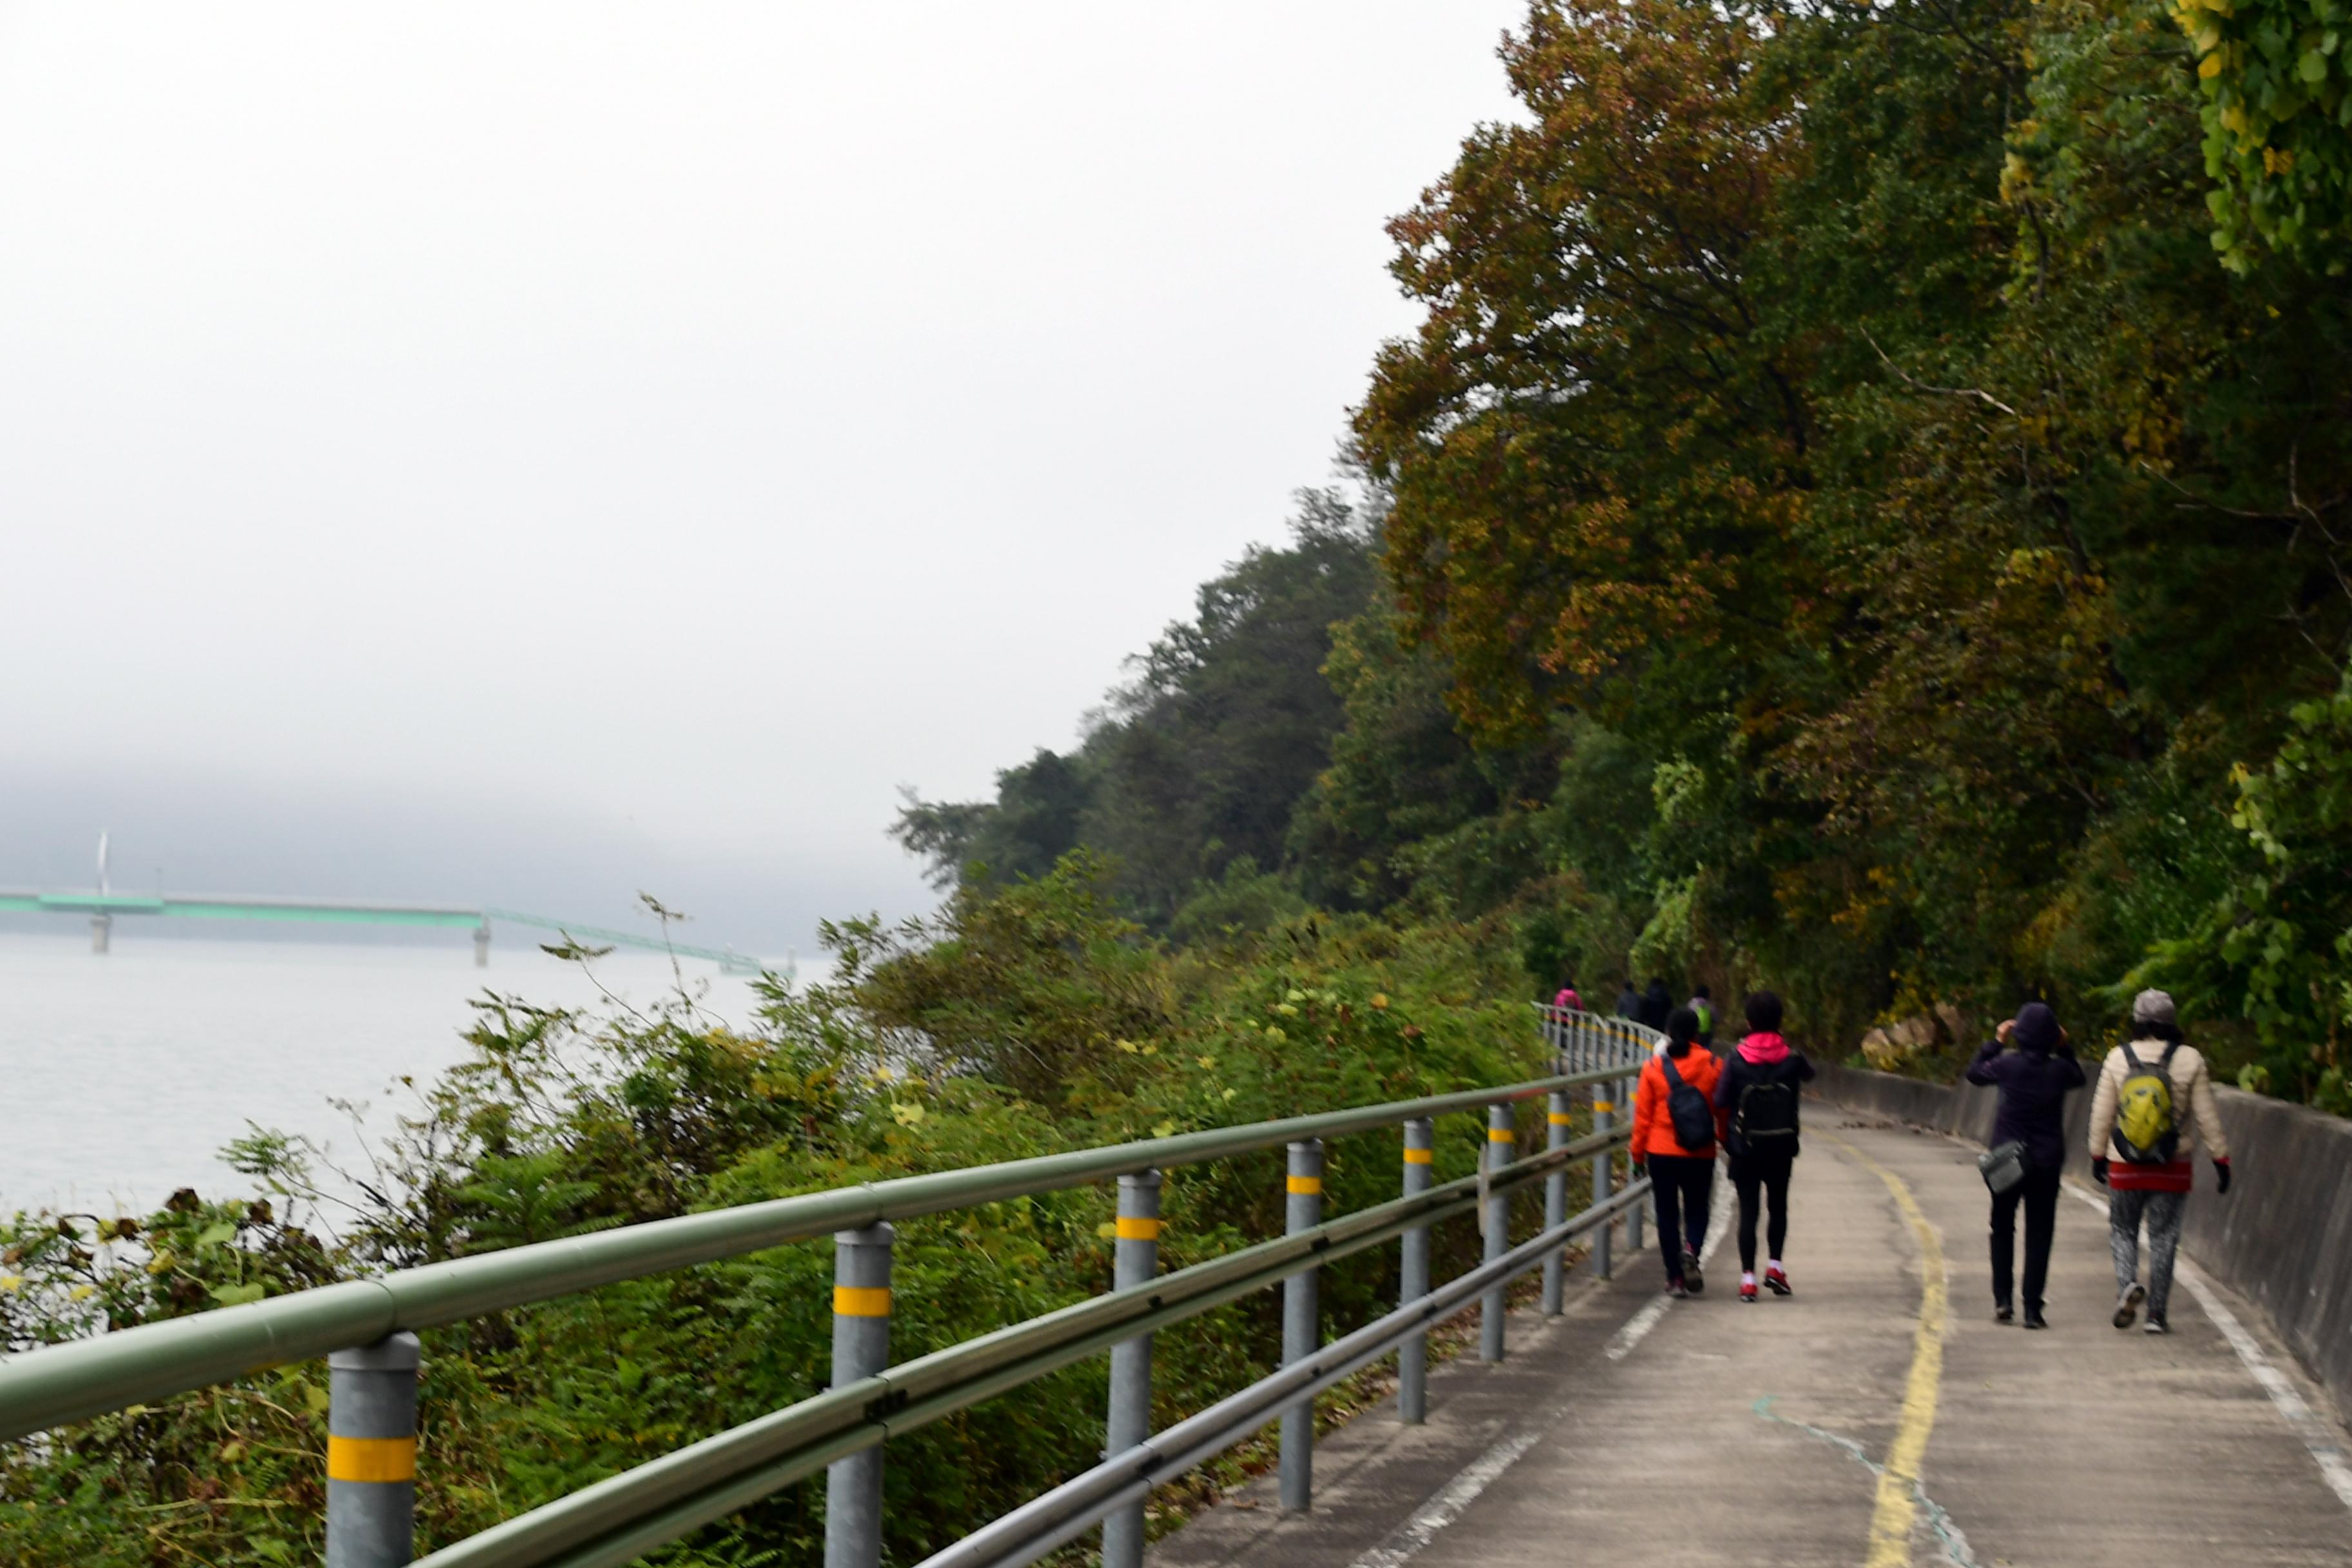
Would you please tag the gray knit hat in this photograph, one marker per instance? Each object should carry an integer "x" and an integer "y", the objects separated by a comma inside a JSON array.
[{"x": 2153, "y": 1008}]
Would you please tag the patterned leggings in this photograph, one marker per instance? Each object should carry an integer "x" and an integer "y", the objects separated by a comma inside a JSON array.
[{"x": 2163, "y": 1212}]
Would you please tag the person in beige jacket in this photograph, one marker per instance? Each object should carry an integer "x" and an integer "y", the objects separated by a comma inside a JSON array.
[{"x": 2156, "y": 1191}]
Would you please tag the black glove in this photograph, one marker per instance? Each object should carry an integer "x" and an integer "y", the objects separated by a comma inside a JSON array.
[
  {"x": 1642, "y": 1169},
  {"x": 2099, "y": 1170},
  {"x": 2221, "y": 1175}
]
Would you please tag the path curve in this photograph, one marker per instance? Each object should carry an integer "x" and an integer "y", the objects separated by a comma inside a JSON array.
[{"x": 1832, "y": 1428}]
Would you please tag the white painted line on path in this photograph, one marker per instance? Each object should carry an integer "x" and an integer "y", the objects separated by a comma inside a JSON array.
[
  {"x": 2317, "y": 1435},
  {"x": 1447, "y": 1504},
  {"x": 1638, "y": 1327}
]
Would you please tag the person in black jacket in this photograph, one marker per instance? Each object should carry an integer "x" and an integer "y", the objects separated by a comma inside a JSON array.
[
  {"x": 2034, "y": 1080},
  {"x": 1757, "y": 1093},
  {"x": 1656, "y": 1003}
]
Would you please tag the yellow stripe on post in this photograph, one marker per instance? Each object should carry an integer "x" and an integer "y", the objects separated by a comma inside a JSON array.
[
  {"x": 861, "y": 1300},
  {"x": 1602, "y": 1105},
  {"x": 1418, "y": 1156},
  {"x": 1501, "y": 1135},
  {"x": 1556, "y": 1118},
  {"x": 1306, "y": 1183},
  {"x": 371, "y": 1459},
  {"x": 1135, "y": 1228}
]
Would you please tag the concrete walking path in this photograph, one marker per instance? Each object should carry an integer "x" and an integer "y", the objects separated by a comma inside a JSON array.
[{"x": 1878, "y": 1417}]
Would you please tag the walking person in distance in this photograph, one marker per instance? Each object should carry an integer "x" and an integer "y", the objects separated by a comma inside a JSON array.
[
  {"x": 1676, "y": 1126},
  {"x": 2033, "y": 1080},
  {"x": 1656, "y": 1003},
  {"x": 1703, "y": 1006},
  {"x": 2153, "y": 1110},
  {"x": 1757, "y": 1094}
]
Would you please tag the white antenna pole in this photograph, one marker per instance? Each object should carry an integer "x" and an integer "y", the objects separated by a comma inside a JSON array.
[{"x": 102, "y": 888}]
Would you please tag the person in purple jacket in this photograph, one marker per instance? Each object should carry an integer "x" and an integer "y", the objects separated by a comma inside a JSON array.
[{"x": 2034, "y": 1079}]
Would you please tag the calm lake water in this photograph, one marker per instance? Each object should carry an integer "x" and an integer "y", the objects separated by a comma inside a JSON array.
[{"x": 123, "y": 1076}]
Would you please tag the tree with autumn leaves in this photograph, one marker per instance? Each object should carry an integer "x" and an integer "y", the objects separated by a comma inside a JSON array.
[
  {"x": 1847, "y": 402},
  {"x": 1847, "y": 518}
]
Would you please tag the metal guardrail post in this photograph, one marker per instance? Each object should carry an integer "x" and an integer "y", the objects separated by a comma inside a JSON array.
[
  {"x": 371, "y": 1454},
  {"x": 1501, "y": 1134},
  {"x": 861, "y": 1347},
  {"x": 1555, "y": 1269},
  {"x": 1301, "y": 1325},
  {"x": 1627, "y": 1089},
  {"x": 1601, "y": 1123},
  {"x": 1135, "y": 1260},
  {"x": 1413, "y": 1355}
]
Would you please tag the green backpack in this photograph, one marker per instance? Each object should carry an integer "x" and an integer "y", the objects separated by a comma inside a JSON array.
[{"x": 2148, "y": 1125}]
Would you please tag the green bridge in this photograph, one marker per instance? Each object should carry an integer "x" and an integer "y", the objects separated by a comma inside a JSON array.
[{"x": 104, "y": 905}]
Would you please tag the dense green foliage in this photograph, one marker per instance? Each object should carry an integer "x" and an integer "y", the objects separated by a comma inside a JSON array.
[
  {"x": 2278, "y": 124},
  {"x": 1842, "y": 526},
  {"x": 1012, "y": 1023},
  {"x": 1195, "y": 761}
]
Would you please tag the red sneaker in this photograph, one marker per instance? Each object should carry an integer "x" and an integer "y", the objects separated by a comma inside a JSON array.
[
  {"x": 1777, "y": 1282},
  {"x": 1748, "y": 1290}
]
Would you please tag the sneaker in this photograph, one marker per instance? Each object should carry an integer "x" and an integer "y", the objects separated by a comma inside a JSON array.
[
  {"x": 1748, "y": 1292},
  {"x": 2034, "y": 1319},
  {"x": 1691, "y": 1275},
  {"x": 2156, "y": 1325},
  {"x": 2003, "y": 1312},
  {"x": 1677, "y": 1290},
  {"x": 2127, "y": 1304},
  {"x": 1777, "y": 1282}
]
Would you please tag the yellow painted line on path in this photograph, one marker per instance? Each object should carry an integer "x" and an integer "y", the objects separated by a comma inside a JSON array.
[{"x": 1898, "y": 1484}]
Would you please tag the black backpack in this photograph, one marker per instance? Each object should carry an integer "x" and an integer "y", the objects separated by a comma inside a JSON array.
[
  {"x": 1694, "y": 1119},
  {"x": 1767, "y": 1113}
]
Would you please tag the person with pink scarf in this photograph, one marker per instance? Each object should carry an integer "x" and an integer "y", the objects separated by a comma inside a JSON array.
[{"x": 1757, "y": 1092}]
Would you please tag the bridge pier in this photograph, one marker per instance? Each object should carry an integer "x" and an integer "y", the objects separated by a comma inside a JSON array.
[{"x": 101, "y": 932}]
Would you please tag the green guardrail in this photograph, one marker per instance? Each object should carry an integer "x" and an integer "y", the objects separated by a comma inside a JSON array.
[{"x": 365, "y": 1326}]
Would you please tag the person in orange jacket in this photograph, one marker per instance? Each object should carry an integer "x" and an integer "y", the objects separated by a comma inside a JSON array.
[{"x": 1675, "y": 1143}]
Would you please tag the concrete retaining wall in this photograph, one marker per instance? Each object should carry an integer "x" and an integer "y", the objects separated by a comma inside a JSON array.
[{"x": 2282, "y": 1239}]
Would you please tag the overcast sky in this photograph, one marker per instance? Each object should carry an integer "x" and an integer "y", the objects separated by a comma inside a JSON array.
[{"x": 527, "y": 453}]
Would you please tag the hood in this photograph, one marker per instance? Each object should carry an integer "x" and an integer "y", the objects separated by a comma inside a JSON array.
[
  {"x": 1763, "y": 1050},
  {"x": 2037, "y": 1030}
]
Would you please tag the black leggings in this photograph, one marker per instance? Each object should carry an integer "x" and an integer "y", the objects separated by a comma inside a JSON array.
[
  {"x": 2039, "y": 1195},
  {"x": 1679, "y": 1185},
  {"x": 1768, "y": 1172}
]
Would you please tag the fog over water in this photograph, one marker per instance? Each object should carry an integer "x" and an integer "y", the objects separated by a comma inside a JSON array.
[
  {"x": 125, "y": 1074},
  {"x": 527, "y": 453}
]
